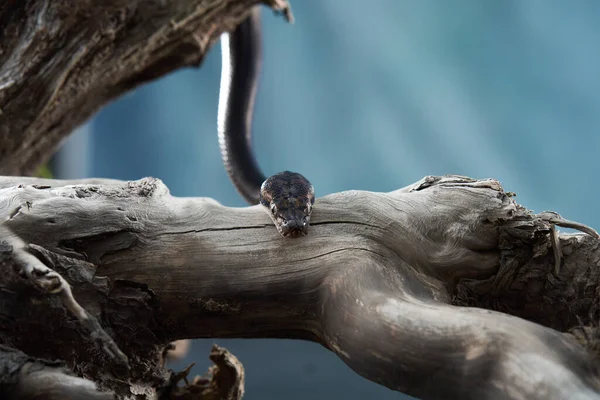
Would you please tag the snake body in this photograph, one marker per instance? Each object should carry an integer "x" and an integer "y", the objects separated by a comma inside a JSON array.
[{"x": 287, "y": 196}]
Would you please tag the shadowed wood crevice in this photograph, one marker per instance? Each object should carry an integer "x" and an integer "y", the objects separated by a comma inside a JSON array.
[
  {"x": 381, "y": 280},
  {"x": 25, "y": 378}
]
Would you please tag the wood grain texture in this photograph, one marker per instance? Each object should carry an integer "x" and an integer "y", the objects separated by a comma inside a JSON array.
[
  {"x": 404, "y": 287},
  {"x": 61, "y": 60}
]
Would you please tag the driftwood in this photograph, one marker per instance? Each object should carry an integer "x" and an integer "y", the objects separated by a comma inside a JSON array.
[{"x": 381, "y": 280}]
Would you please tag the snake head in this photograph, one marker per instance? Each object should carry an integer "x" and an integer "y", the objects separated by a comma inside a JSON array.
[{"x": 288, "y": 198}]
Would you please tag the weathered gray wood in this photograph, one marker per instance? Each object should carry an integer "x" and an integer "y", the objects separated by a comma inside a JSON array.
[{"x": 377, "y": 281}]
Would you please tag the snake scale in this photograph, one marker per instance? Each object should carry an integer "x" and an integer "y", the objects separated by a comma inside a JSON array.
[{"x": 288, "y": 197}]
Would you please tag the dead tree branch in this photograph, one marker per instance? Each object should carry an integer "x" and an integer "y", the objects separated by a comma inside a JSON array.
[
  {"x": 61, "y": 60},
  {"x": 382, "y": 280}
]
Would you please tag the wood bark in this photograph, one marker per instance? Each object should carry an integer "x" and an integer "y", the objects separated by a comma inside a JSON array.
[
  {"x": 61, "y": 60},
  {"x": 383, "y": 280}
]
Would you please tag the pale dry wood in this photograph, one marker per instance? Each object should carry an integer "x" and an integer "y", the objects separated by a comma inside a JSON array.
[{"x": 377, "y": 281}]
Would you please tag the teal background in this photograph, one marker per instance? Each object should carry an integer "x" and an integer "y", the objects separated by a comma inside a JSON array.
[{"x": 374, "y": 96}]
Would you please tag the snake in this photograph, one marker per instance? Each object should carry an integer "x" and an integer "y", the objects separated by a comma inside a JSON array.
[{"x": 288, "y": 197}]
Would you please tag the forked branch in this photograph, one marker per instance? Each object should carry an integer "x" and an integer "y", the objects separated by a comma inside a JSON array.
[{"x": 382, "y": 280}]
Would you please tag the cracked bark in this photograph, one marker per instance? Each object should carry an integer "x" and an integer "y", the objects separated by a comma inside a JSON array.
[
  {"x": 405, "y": 287},
  {"x": 60, "y": 61}
]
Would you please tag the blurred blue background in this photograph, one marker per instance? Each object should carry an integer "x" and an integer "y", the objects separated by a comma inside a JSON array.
[{"x": 375, "y": 96}]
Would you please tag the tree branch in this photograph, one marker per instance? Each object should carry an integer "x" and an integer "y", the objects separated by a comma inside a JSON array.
[
  {"x": 381, "y": 280},
  {"x": 60, "y": 61}
]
